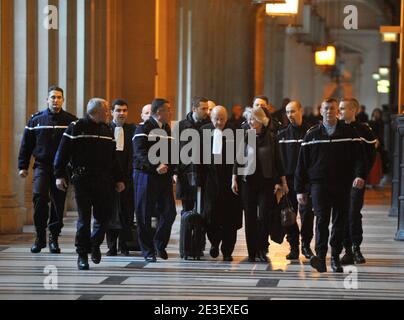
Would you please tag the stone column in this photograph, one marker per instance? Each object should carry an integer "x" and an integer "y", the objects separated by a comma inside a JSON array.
[
  {"x": 32, "y": 91},
  {"x": 20, "y": 99},
  {"x": 11, "y": 217},
  {"x": 396, "y": 158},
  {"x": 400, "y": 198}
]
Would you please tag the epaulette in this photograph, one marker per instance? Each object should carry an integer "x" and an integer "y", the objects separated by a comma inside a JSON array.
[
  {"x": 36, "y": 114},
  {"x": 312, "y": 128}
]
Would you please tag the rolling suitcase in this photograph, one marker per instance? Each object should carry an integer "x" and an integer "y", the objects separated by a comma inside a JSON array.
[{"x": 192, "y": 232}]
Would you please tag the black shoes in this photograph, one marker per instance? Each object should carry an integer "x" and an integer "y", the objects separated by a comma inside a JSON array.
[
  {"x": 214, "y": 252},
  {"x": 251, "y": 258},
  {"x": 227, "y": 258},
  {"x": 293, "y": 254},
  {"x": 112, "y": 252},
  {"x": 357, "y": 255},
  {"x": 53, "y": 244},
  {"x": 96, "y": 255},
  {"x": 40, "y": 243},
  {"x": 306, "y": 251},
  {"x": 162, "y": 254},
  {"x": 318, "y": 264},
  {"x": 151, "y": 259},
  {"x": 262, "y": 256},
  {"x": 124, "y": 251},
  {"x": 336, "y": 264},
  {"x": 82, "y": 262},
  {"x": 347, "y": 258}
]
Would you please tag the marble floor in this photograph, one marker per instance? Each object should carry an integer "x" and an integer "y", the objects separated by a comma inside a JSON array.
[{"x": 24, "y": 276}]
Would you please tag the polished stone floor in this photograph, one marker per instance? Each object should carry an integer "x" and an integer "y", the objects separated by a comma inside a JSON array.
[{"x": 23, "y": 275}]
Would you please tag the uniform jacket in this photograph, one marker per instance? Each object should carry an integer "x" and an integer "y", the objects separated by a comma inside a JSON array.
[
  {"x": 90, "y": 146},
  {"x": 42, "y": 136},
  {"x": 324, "y": 159},
  {"x": 145, "y": 139},
  {"x": 290, "y": 140}
]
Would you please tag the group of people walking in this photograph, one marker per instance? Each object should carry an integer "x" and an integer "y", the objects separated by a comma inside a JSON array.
[{"x": 118, "y": 179}]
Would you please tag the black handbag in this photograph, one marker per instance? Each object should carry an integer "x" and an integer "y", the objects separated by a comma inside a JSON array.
[{"x": 288, "y": 214}]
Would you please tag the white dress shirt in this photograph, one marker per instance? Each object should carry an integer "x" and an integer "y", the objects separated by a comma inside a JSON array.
[
  {"x": 217, "y": 142},
  {"x": 119, "y": 138}
]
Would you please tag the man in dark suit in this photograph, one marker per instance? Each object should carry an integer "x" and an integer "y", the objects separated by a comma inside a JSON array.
[
  {"x": 124, "y": 205},
  {"x": 153, "y": 181},
  {"x": 222, "y": 209}
]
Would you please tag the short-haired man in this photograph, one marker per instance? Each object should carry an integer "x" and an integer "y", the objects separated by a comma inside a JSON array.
[
  {"x": 123, "y": 133},
  {"x": 353, "y": 231},
  {"x": 197, "y": 118},
  {"x": 331, "y": 158},
  {"x": 290, "y": 141},
  {"x": 41, "y": 139},
  {"x": 153, "y": 183},
  {"x": 89, "y": 146}
]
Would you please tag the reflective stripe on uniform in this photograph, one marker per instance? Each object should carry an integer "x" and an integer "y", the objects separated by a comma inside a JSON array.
[
  {"x": 291, "y": 141},
  {"x": 45, "y": 127},
  {"x": 152, "y": 136},
  {"x": 331, "y": 141},
  {"x": 87, "y": 136}
]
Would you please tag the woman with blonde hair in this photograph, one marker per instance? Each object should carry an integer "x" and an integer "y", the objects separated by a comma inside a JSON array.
[{"x": 257, "y": 186}]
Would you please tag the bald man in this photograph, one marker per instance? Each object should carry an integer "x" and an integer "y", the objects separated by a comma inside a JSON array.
[
  {"x": 290, "y": 141},
  {"x": 222, "y": 209},
  {"x": 146, "y": 113}
]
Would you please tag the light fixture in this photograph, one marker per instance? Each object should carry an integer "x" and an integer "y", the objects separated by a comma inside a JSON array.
[
  {"x": 291, "y": 7},
  {"x": 390, "y": 37},
  {"x": 326, "y": 57},
  {"x": 384, "y": 83},
  {"x": 390, "y": 33},
  {"x": 376, "y": 76},
  {"x": 381, "y": 89},
  {"x": 384, "y": 71}
]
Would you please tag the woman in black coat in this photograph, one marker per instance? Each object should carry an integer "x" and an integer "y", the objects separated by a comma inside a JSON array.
[{"x": 257, "y": 186}]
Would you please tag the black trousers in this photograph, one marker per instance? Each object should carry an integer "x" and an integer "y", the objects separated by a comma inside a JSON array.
[
  {"x": 258, "y": 202},
  {"x": 93, "y": 195},
  {"x": 330, "y": 201},
  {"x": 306, "y": 218},
  {"x": 153, "y": 193},
  {"x": 224, "y": 237},
  {"x": 353, "y": 231},
  {"x": 45, "y": 191}
]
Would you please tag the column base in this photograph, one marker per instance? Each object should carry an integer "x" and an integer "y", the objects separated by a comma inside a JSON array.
[
  {"x": 12, "y": 220},
  {"x": 393, "y": 212},
  {"x": 399, "y": 235}
]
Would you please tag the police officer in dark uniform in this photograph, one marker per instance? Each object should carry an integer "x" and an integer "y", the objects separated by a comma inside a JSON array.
[
  {"x": 89, "y": 146},
  {"x": 123, "y": 215},
  {"x": 153, "y": 181},
  {"x": 353, "y": 231},
  {"x": 290, "y": 140},
  {"x": 331, "y": 157},
  {"x": 41, "y": 139}
]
